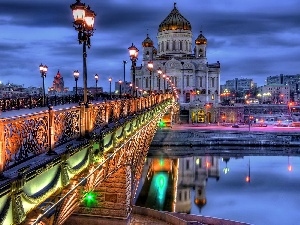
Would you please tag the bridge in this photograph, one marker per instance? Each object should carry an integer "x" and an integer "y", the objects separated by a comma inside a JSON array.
[{"x": 76, "y": 163}]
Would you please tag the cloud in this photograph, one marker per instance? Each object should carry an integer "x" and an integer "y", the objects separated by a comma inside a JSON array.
[{"x": 254, "y": 39}]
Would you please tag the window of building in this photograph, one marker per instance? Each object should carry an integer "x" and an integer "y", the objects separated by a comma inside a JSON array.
[
  {"x": 179, "y": 196},
  {"x": 147, "y": 82},
  {"x": 200, "y": 81},
  {"x": 212, "y": 97},
  {"x": 187, "y": 81},
  {"x": 212, "y": 82},
  {"x": 167, "y": 48},
  {"x": 180, "y": 45},
  {"x": 174, "y": 45},
  {"x": 157, "y": 82},
  {"x": 187, "y": 166}
]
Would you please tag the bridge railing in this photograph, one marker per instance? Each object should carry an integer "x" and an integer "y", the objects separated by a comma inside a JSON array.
[{"x": 25, "y": 136}]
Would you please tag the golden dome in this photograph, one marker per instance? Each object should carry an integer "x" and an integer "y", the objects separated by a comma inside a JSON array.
[
  {"x": 175, "y": 21},
  {"x": 201, "y": 39},
  {"x": 147, "y": 42}
]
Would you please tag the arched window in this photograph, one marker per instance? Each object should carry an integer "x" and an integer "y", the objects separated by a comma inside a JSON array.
[
  {"x": 180, "y": 45},
  {"x": 174, "y": 45},
  {"x": 167, "y": 49}
]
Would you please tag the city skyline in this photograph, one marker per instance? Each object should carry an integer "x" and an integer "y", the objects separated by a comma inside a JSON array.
[{"x": 251, "y": 39}]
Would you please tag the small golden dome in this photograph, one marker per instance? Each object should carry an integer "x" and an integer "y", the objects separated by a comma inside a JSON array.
[
  {"x": 201, "y": 40},
  {"x": 175, "y": 21},
  {"x": 147, "y": 42}
]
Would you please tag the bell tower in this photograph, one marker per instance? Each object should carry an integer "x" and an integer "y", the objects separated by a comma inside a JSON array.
[{"x": 200, "y": 46}]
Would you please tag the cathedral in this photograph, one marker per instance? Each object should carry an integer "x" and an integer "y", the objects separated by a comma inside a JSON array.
[{"x": 181, "y": 60}]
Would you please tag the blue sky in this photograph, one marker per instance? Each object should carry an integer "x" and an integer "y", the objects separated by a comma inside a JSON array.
[{"x": 252, "y": 39}]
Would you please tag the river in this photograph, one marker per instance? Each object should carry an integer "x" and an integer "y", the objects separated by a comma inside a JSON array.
[{"x": 260, "y": 190}]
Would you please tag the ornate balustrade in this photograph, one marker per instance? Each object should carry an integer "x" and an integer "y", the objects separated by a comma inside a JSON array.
[
  {"x": 26, "y": 136},
  {"x": 91, "y": 142}
]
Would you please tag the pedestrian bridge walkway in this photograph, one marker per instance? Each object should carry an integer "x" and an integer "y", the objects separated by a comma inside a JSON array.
[{"x": 52, "y": 161}]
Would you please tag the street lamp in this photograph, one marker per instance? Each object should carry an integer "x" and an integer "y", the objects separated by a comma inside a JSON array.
[
  {"x": 130, "y": 85},
  {"x": 120, "y": 90},
  {"x": 43, "y": 71},
  {"x": 109, "y": 79},
  {"x": 133, "y": 53},
  {"x": 164, "y": 77},
  {"x": 76, "y": 76},
  {"x": 96, "y": 79},
  {"x": 124, "y": 63},
  {"x": 136, "y": 90},
  {"x": 159, "y": 72},
  {"x": 250, "y": 121},
  {"x": 167, "y": 78},
  {"x": 150, "y": 68},
  {"x": 84, "y": 19}
]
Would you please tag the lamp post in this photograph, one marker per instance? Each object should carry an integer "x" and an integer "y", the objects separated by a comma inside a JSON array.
[
  {"x": 43, "y": 71},
  {"x": 124, "y": 63},
  {"x": 76, "y": 76},
  {"x": 120, "y": 90},
  {"x": 130, "y": 88},
  {"x": 133, "y": 53},
  {"x": 167, "y": 78},
  {"x": 96, "y": 79},
  {"x": 150, "y": 68},
  {"x": 84, "y": 19},
  {"x": 250, "y": 121},
  {"x": 109, "y": 79},
  {"x": 159, "y": 72},
  {"x": 164, "y": 77}
]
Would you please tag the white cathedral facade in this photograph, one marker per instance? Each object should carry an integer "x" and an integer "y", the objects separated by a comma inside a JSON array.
[{"x": 182, "y": 60}]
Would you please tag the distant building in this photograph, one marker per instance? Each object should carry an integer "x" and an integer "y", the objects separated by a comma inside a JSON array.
[
  {"x": 11, "y": 90},
  {"x": 293, "y": 81},
  {"x": 236, "y": 85},
  {"x": 274, "y": 94},
  {"x": 58, "y": 86}
]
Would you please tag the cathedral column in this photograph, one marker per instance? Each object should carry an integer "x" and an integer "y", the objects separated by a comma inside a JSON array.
[
  {"x": 206, "y": 84},
  {"x": 219, "y": 84},
  {"x": 182, "y": 84}
]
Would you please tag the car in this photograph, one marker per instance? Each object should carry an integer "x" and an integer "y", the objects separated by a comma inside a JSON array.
[{"x": 235, "y": 126}]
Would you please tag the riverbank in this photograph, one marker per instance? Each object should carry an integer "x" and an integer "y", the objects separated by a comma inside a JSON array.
[{"x": 192, "y": 135}]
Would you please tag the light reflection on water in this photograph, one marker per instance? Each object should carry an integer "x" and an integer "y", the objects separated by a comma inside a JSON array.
[{"x": 260, "y": 190}]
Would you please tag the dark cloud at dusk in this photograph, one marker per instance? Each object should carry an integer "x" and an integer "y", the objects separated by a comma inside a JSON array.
[{"x": 251, "y": 39}]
